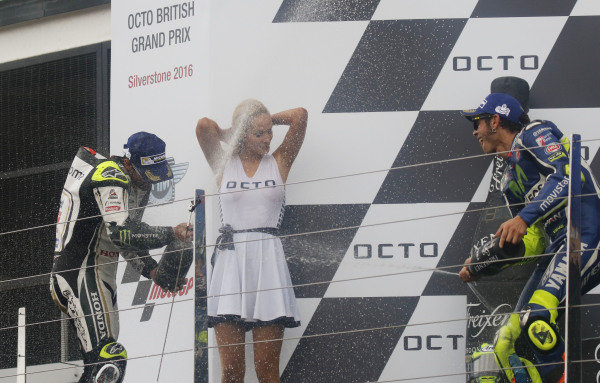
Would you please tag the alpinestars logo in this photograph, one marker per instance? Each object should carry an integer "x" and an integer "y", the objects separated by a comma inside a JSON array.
[
  {"x": 164, "y": 192},
  {"x": 114, "y": 173}
]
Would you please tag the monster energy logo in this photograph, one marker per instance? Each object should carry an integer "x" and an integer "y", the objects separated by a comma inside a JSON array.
[
  {"x": 125, "y": 236},
  {"x": 517, "y": 187}
]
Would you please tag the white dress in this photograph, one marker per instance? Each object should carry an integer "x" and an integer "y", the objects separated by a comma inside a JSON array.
[{"x": 250, "y": 282}]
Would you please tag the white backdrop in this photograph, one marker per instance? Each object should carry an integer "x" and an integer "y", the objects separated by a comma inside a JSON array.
[
  {"x": 170, "y": 110},
  {"x": 383, "y": 84}
]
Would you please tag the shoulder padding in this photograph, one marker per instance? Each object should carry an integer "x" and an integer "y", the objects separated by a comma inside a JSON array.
[{"x": 109, "y": 171}]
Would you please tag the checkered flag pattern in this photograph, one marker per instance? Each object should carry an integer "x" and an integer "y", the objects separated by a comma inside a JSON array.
[
  {"x": 390, "y": 77},
  {"x": 424, "y": 60}
]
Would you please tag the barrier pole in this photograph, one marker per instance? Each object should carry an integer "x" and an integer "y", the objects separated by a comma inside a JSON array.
[
  {"x": 573, "y": 293},
  {"x": 21, "y": 377}
]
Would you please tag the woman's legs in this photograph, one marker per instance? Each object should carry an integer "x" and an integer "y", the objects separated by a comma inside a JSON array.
[
  {"x": 266, "y": 354},
  {"x": 233, "y": 361}
]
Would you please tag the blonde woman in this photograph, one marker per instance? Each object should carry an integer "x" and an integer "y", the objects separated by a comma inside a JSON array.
[{"x": 249, "y": 269}]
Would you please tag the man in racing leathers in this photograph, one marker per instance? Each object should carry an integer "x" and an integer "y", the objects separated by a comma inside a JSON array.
[
  {"x": 535, "y": 186},
  {"x": 100, "y": 214}
]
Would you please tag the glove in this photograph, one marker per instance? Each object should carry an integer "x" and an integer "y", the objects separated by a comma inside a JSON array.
[{"x": 173, "y": 266}]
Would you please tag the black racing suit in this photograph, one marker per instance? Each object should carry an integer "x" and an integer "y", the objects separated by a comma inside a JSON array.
[{"x": 99, "y": 219}]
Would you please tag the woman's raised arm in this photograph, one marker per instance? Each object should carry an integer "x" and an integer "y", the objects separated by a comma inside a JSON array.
[
  {"x": 209, "y": 137},
  {"x": 286, "y": 153}
]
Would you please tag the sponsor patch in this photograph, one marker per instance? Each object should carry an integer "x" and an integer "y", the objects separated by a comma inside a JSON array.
[
  {"x": 157, "y": 293},
  {"x": 553, "y": 157},
  {"x": 114, "y": 174},
  {"x": 109, "y": 170},
  {"x": 117, "y": 349},
  {"x": 502, "y": 110},
  {"x": 110, "y": 254},
  {"x": 540, "y": 131},
  {"x": 552, "y": 148},
  {"x": 112, "y": 208},
  {"x": 152, "y": 160},
  {"x": 99, "y": 314},
  {"x": 113, "y": 194},
  {"x": 73, "y": 313},
  {"x": 77, "y": 174},
  {"x": 540, "y": 141}
]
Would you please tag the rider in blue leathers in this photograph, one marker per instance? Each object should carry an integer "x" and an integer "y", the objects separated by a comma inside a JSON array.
[{"x": 535, "y": 187}]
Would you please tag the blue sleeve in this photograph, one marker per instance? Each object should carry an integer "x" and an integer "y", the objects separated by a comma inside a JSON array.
[{"x": 549, "y": 149}]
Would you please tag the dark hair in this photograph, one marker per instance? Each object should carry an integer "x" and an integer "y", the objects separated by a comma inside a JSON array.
[{"x": 514, "y": 126}]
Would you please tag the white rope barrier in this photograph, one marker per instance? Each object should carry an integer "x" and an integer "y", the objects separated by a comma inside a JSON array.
[
  {"x": 21, "y": 325},
  {"x": 438, "y": 162}
]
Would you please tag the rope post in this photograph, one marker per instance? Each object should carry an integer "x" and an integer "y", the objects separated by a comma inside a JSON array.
[
  {"x": 21, "y": 377},
  {"x": 200, "y": 301},
  {"x": 573, "y": 288},
  {"x": 64, "y": 338}
]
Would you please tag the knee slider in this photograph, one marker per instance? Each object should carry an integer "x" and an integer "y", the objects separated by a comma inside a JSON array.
[
  {"x": 111, "y": 362},
  {"x": 541, "y": 334}
]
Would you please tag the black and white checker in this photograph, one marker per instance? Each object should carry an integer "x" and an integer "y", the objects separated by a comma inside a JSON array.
[{"x": 430, "y": 58}]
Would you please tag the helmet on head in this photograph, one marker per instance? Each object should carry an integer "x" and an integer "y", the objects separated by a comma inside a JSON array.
[{"x": 146, "y": 152}]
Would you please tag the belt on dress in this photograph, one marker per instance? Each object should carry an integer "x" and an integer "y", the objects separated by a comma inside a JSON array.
[{"x": 225, "y": 240}]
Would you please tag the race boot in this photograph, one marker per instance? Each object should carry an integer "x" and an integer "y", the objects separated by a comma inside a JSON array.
[
  {"x": 506, "y": 356},
  {"x": 482, "y": 366},
  {"x": 110, "y": 364}
]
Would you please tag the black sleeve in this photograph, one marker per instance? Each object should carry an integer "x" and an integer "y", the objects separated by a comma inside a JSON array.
[
  {"x": 111, "y": 190},
  {"x": 140, "y": 261},
  {"x": 136, "y": 235}
]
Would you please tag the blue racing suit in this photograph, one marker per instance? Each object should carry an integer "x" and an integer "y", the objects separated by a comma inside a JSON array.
[{"x": 535, "y": 186}]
